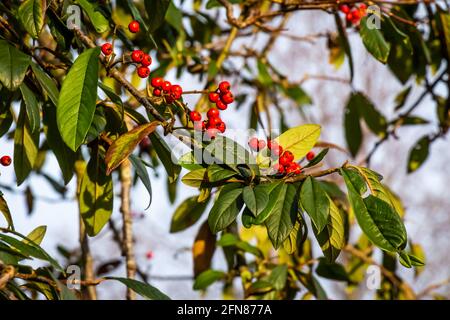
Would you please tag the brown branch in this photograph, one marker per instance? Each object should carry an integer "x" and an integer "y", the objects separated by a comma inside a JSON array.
[{"x": 433, "y": 287}]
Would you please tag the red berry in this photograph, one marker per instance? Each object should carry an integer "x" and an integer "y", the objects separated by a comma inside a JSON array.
[
  {"x": 143, "y": 72},
  {"x": 261, "y": 144},
  {"x": 220, "y": 105},
  {"x": 149, "y": 255},
  {"x": 224, "y": 86},
  {"x": 5, "y": 161},
  {"x": 274, "y": 147},
  {"x": 355, "y": 13},
  {"x": 133, "y": 26},
  {"x": 146, "y": 60},
  {"x": 213, "y": 113},
  {"x": 137, "y": 56},
  {"x": 349, "y": 16},
  {"x": 253, "y": 143},
  {"x": 362, "y": 6},
  {"x": 344, "y": 8},
  {"x": 227, "y": 98},
  {"x": 278, "y": 168},
  {"x": 293, "y": 168},
  {"x": 214, "y": 122},
  {"x": 195, "y": 116},
  {"x": 176, "y": 90},
  {"x": 271, "y": 143},
  {"x": 157, "y": 92},
  {"x": 145, "y": 143},
  {"x": 284, "y": 161},
  {"x": 166, "y": 86},
  {"x": 169, "y": 99},
  {"x": 157, "y": 82},
  {"x": 222, "y": 127},
  {"x": 310, "y": 155},
  {"x": 213, "y": 97},
  {"x": 288, "y": 155},
  {"x": 107, "y": 49}
]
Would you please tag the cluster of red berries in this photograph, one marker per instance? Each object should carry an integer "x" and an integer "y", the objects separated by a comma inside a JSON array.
[
  {"x": 170, "y": 92},
  {"x": 5, "y": 161},
  {"x": 222, "y": 97},
  {"x": 353, "y": 13},
  {"x": 137, "y": 56}
]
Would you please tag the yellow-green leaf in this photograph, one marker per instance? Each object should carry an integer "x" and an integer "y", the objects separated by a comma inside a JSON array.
[
  {"x": 121, "y": 148},
  {"x": 6, "y": 213},
  {"x": 32, "y": 14},
  {"x": 300, "y": 140},
  {"x": 36, "y": 236}
]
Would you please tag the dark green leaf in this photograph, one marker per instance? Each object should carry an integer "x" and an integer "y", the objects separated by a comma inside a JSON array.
[
  {"x": 32, "y": 107},
  {"x": 226, "y": 207},
  {"x": 207, "y": 278},
  {"x": 13, "y": 65},
  {"x": 156, "y": 12},
  {"x": 315, "y": 202},
  {"x": 256, "y": 198},
  {"x": 353, "y": 133},
  {"x": 373, "y": 118},
  {"x": 46, "y": 83},
  {"x": 216, "y": 173},
  {"x": 6, "y": 213},
  {"x": 401, "y": 98},
  {"x": 333, "y": 271},
  {"x": 418, "y": 154},
  {"x": 374, "y": 41},
  {"x": 278, "y": 277},
  {"x": 143, "y": 289},
  {"x": 317, "y": 158},
  {"x": 165, "y": 155},
  {"x": 77, "y": 99},
  {"x": 26, "y": 145},
  {"x": 142, "y": 173},
  {"x": 187, "y": 214}
]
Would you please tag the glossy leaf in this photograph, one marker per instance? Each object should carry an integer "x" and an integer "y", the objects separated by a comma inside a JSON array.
[
  {"x": 187, "y": 214},
  {"x": 77, "y": 99},
  {"x": 226, "y": 207},
  {"x": 96, "y": 195},
  {"x": 207, "y": 278},
  {"x": 46, "y": 83},
  {"x": 374, "y": 119},
  {"x": 99, "y": 21},
  {"x": 164, "y": 154},
  {"x": 26, "y": 145},
  {"x": 143, "y": 289},
  {"x": 315, "y": 202},
  {"x": 283, "y": 214},
  {"x": 32, "y": 107},
  {"x": 353, "y": 132},
  {"x": 156, "y": 12},
  {"x": 31, "y": 14},
  {"x": 255, "y": 199},
  {"x": 121, "y": 148},
  {"x": 374, "y": 41},
  {"x": 318, "y": 158},
  {"x": 300, "y": 140},
  {"x": 13, "y": 65},
  {"x": 64, "y": 155}
]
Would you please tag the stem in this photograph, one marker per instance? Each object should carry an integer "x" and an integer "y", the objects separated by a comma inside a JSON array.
[
  {"x": 196, "y": 92},
  {"x": 86, "y": 256},
  {"x": 127, "y": 227}
]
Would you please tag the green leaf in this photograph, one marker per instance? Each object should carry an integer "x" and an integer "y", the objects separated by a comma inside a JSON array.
[
  {"x": 283, "y": 214},
  {"x": 226, "y": 207},
  {"x": 278, "y": 277},
  {"x": 332, "y": 238},
  {"x": 13, "y": 65},
  {"x": 6, "y": 213},
  {"x": 401, "y": 98},
  {"x": 207, "y": 278},
  {"x": 297, "y": 94},
  {"x": 121, "y": 148},
  {"x": 299, "y": 140},
  {"x": 36, "y": 236},
  {"x": 316, "y": 203},
  {"x": 377, "y": 219},
  {"x": 418, "y": 154},
  {"x": 174, "y": 17},
  {"x": 226, "y": 151},
  {"x": 32, "y": 107},
  {"x": 216, "y": 173},
  {"x": 255, "y": 199},
  {"x": 31, "y": 14},
  {"x": 343, "y": 39},
  {"x": 98, "y": 125},
  {"x": 99, "y": 21},
  {"x": 195, "y": 178},
  {"x": 64, "y": 155},
  {"x": 264, "y": 76},
  {"x": 274, "y": 192},
  {"x": 156, "y": 12},
  {"x": 413, "y": 120},
  {"x": 331, "y": 270},
  {"x": 143, "y": 289},
  {"x": 373, "y": 118},
  {"x": 188, "y": 161},
  {"x": 394, "y": 35},
  {"x": 26, "y": 145},
  {"x": 77, "y": 99},
  {"x": 295, "y": 238},
  {"x": 444, "y": 20},
  {"x": 353, "y": 133},
  {"x": 6, "y": 117},
  {"x": 96, "y": 195},
  {"x": 164, "y": 154},
  {"x": 187, "y": 214},
  {"x": 142, "y": 173},
  {"x": 374, "y": 41},
  {"x": 46, "y": 83},
  {"x": 113, "y": 96}
]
